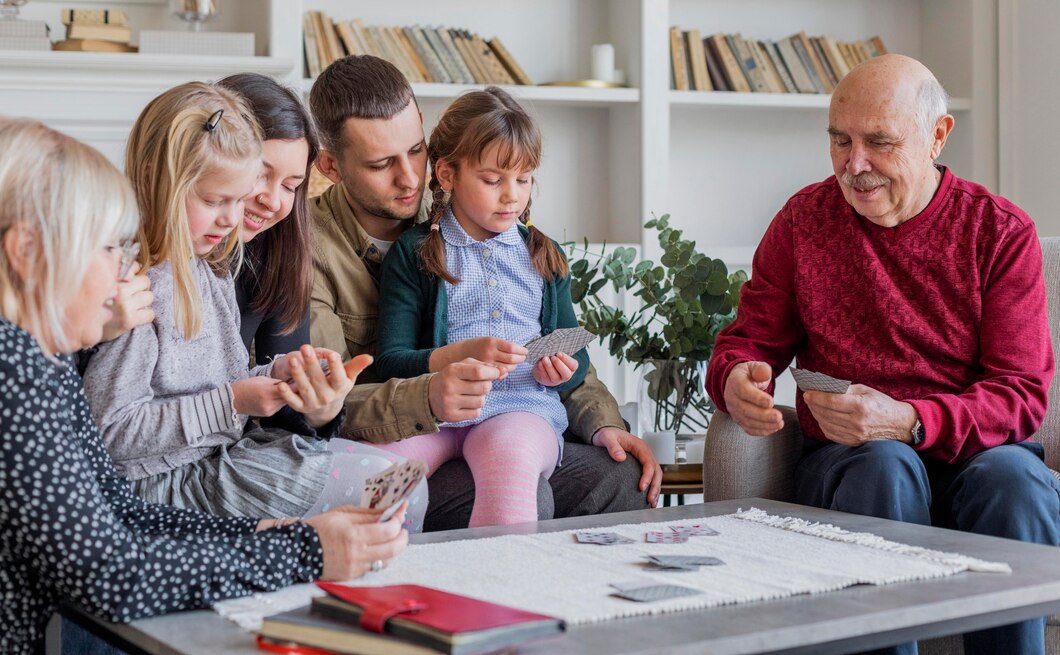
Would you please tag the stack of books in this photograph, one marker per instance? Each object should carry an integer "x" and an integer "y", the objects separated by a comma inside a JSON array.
[
  {"x": 24, "y": 35},
  {"x": 96, "y": 30},
  {"x": 422, "y": 54},
  {"x": 402, "y": 620},
  {"x": 797, "y": 64}
]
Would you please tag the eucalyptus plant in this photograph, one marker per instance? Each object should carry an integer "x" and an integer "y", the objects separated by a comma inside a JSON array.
[{"x": 685, "y": 300}]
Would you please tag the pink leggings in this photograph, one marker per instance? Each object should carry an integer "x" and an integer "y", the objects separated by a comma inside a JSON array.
[{"x": 506, "y": 453}]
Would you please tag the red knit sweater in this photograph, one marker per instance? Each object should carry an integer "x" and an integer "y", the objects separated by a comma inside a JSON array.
[{"x": 947, "y": 311}]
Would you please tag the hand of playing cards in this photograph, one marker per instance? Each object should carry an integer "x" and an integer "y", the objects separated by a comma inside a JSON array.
[
  {"x": 388, "y": 489},
  {"x": 562, "y": 340},
  {"x": 813, "y": 381}
]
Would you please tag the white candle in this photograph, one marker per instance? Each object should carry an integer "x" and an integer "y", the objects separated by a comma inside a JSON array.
[{"x": 603, "y": 62}]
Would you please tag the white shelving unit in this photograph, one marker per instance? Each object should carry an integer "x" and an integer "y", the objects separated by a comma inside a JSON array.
[{"x": 720, "y": 163}]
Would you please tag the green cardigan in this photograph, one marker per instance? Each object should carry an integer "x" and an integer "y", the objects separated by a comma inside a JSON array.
[{"x": 413, "y": 312}]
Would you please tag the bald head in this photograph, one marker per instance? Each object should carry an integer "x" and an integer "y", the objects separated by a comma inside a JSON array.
[
  {"x": 888, "y": 124},
  {"x": 895, "y": 83}
]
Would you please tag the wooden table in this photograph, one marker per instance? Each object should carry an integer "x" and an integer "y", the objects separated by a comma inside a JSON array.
[
  {"x": 853, "y": 619},
  {"x": 681, "y": 479}
]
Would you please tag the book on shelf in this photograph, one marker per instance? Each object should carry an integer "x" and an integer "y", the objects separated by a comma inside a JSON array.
[
  {"x": 423, "y": 54},
  {"x": 815, "y": 63},
  {"x": 92, "y": 45},
  {"x": 779, "y": 67},
  {"x": 697, "y": 60},
  {"x": 765, "y": 65},
  {"x": 807, "y": 63},
  {"x": 826, "y": 65},
  {"x": 717, "y": 77},
  {"x": 435, "y": 68},
  {"x": 309, "y": 45},
  {"x": 796, "y": 64},
  {"x": 678, "y": 57},
  {"x": 734, "y": 76},
  {"x": 505, "y": 57},
  {"x": 443, "y": 621},
  {"x": 99, "y": 32},
  {"x": 796, "y": 68},
  {"x": 94, "y": 16}
]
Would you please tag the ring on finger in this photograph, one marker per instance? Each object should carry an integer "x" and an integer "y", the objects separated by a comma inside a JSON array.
[{"x": 377, "y": 566}]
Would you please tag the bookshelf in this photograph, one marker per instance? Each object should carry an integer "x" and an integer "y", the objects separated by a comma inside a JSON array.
[{"x": 720, "y": 163}]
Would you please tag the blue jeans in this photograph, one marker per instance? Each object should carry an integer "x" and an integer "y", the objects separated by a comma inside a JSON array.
[{"x": 1006, "y": 491}]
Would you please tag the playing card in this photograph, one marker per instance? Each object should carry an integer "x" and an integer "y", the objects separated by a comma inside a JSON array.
[
  {"x": 562, "y": 340},
  {"x": 645, "y": 592},
  {"x": 602, "y": 538},
  {"x": 814, "y": 381},
  {"x": 683, "y": 562},
  {"x": 694, "y": 530},
  {"x": 660, "y": 537},
  {"x": 389, "y": 488}
]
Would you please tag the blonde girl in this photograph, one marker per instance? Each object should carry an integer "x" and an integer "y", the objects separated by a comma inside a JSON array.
[
  {"x": 173, "y": 397},
  {"x": 476, "y": 281}
]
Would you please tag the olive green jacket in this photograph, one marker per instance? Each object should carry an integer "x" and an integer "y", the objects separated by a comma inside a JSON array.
[{"x": 343, "y": 317}]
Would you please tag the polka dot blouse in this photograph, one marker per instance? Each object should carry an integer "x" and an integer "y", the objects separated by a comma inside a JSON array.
[{"x": 71, "y": 529}]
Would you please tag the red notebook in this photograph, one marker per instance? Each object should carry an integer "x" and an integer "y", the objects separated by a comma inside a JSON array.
[{"x": 438, "y": 619}]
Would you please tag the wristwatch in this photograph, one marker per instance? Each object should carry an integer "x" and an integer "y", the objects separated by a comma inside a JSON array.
[{"x": 917, "y": 432}]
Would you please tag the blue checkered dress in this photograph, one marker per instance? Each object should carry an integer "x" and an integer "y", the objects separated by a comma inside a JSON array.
[{"x": 499, "y": 295}]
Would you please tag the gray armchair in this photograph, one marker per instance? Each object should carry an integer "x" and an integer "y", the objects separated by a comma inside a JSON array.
[{"x": 737, "y": 465}]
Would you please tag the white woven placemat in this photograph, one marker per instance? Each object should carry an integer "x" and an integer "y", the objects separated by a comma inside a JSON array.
[{"x": 765, "y": 557}]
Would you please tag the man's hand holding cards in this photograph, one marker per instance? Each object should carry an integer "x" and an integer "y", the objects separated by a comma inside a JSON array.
[
  {"x": 813, "y": 381},
  {"x": 388, "y": 489}
]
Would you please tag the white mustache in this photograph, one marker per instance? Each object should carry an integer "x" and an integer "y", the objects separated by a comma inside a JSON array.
[{"x": 863, "y": 181}]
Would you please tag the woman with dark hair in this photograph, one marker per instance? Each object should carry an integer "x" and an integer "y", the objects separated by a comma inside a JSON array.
[{"x": 276, "y": 280}]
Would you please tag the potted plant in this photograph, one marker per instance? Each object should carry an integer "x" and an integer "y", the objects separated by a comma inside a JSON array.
[{"x": 685, "y": 300}]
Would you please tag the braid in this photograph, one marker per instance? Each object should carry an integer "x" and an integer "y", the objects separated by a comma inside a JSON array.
[
  {"x": 432, "y": 248},
  {"x": 547, "y": 258}
]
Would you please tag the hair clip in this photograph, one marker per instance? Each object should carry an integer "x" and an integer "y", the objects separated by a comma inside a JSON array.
[
  {"x": 213, "y": 121},
  {"x": 435, "y": 227}
]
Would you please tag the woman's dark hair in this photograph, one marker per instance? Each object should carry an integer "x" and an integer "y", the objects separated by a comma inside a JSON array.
[{"x": 281, "y": 258}]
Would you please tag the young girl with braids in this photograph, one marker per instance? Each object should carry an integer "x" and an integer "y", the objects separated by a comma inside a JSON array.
[{"x": 476, "y": 281}]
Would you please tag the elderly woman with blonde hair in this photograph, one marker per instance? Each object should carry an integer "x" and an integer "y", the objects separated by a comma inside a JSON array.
[{"x": 70, "y": 528}]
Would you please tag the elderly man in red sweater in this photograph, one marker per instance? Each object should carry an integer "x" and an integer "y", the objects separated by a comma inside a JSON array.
[{"x": 924, "y": 289}]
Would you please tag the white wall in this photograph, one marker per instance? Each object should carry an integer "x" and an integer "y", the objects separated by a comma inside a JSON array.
[{"x": 1029, "y": 82}]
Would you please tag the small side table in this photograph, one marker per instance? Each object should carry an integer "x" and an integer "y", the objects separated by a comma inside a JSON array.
[{"x": 681, "y": 479}]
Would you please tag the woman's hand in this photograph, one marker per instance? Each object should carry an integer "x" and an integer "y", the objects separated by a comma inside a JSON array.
[
  {"x": 494, "y": 351},
  {"x": 308, "y": 389},
  {"x": 352, "y": 539},
  {"x": 555, "y": 369},
  {"x": 257, "y": 396},
  {"x": 132, "y": 306}
]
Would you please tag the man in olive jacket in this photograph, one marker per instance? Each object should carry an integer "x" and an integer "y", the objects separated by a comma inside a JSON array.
[{"x": 374, "y": 153}]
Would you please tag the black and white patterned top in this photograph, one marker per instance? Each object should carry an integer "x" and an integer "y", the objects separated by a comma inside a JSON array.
[{"x": 71, "y": 529}]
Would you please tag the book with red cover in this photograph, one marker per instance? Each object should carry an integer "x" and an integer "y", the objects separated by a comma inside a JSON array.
[{"x": 447, "y": 622}]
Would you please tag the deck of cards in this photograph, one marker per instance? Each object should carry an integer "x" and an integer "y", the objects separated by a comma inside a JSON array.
[
  {"x": 562, "y": 340},
  {"x": 388, "y": 489},
  {"x": 814, "y": 381}
]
